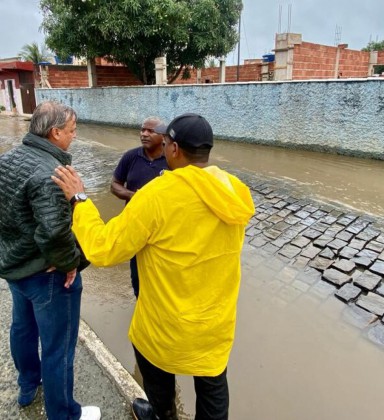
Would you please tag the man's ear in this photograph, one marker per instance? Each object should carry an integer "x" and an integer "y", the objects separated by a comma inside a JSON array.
[
  {"x": 175, "y": 149},
  {"x": 54, "y": 134}
]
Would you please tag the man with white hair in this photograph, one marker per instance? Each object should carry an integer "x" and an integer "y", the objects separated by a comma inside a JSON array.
[
  {"x": 41, "y": 262},
  {"x": 136, "y": 168}
]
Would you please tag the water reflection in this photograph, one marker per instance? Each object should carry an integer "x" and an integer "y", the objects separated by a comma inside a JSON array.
[
  {"x": 346, "y": 180},
  {"x": 94, "y": 164},
  {"x": 349, "y": 181}
]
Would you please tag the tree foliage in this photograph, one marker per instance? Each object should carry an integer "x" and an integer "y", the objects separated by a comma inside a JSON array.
[
  {"x": 374, "y": 46},
  {"x": 135, "y": 32},
  {"x": 32, "y": 52}
]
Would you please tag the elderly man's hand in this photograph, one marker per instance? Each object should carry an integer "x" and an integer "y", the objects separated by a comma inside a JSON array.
[
  {"x": 68, "y": 180},
  {"x": 70, "y": 278}
]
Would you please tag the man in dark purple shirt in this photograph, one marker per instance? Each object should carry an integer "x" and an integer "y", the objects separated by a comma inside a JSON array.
[{"x": 136, "y": 168}]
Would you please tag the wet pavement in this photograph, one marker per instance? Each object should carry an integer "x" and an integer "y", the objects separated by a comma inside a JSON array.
[
  {"x": 298, "y": 247},
  {"x": 99, "y": 378},
  {"x": 316, "y": 265},
  {"x": 342, "y": 248}
]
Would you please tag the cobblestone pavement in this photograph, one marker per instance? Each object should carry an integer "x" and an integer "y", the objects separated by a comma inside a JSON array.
[{"x": 343, "y": 248}]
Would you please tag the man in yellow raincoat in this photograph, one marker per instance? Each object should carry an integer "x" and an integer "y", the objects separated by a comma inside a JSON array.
[{"x": 187, "y": 229}]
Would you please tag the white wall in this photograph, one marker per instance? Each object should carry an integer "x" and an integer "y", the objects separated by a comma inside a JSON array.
[{"x": 340, "y": 116}]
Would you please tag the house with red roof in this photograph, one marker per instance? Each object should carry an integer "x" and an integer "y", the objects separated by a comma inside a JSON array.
[{"x": 17, "y": 85}]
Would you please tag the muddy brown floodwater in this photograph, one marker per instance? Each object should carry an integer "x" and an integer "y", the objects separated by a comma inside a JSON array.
[{"x": 295, "y": 356}]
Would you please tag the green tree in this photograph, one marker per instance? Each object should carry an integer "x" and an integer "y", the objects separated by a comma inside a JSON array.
[
  {"x": 378, "y": 69},
  {"x": 32, "y": 52},
  {"x": 374, "y": 46},
  {"x": 135, "y": 32}
]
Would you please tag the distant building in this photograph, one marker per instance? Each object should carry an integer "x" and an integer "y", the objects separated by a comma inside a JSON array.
[
  {"x": 17, "y": 85},
  {"x": 291, "y": 59}
]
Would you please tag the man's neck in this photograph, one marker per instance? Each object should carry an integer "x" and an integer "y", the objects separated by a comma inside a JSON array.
[
  {"x": 153, "y": 154},
  {"x": 200, "y": 164},
  {"x": 184, "y": 163}
]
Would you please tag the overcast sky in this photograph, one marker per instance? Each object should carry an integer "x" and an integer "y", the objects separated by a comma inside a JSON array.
[{"x": 352, "y": 22}]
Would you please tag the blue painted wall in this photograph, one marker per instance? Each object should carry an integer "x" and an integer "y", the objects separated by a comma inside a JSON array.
[{"x": 343, "y": 116}]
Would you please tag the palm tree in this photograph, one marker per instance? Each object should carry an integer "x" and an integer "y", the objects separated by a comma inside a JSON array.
[{"x": 32, "y": 52}]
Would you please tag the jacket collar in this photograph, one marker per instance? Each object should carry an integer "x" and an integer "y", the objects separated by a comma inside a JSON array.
[{"x": 41, "y": 143}]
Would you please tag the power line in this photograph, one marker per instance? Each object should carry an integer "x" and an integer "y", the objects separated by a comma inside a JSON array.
[
  {"x": 246, "y": 40},
  {"x": 238, "y": 51}
]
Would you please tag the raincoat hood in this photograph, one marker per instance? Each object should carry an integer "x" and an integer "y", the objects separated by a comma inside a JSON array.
[{"x": 227, "y": 197}]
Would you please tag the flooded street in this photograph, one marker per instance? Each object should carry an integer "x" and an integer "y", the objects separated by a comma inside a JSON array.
[
  {"x": 298, "y": 354},
  {"x": 353, "y": 182}
]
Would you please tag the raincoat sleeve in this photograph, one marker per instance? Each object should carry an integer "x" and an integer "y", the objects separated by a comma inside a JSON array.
[{"x": 106, "y": 244}]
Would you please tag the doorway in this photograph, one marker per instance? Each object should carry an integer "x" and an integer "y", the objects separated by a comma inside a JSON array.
[
  {"x": 28, "y": 100},
  {"x": 10, "y": 96}
]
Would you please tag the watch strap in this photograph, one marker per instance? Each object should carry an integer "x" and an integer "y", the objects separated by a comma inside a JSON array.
[
  {"x": 73, "y": 200},
  {"x": 80, "y": 196}
]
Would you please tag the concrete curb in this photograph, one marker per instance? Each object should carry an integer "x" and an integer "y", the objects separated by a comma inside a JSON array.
[{"x": 124, "y": 382}]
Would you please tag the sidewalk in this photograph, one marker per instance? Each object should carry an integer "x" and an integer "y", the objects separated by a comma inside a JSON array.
[{"x": 94, "y": 368}]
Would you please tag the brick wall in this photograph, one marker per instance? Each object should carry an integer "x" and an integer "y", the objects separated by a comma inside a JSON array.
[
  {"x": 247, "y": 73},
  {"x": 353, "y": 63},
  {"x": 116, "y": 76},
  {"x": 62, "y": 76},
  {"x": 315, "y": 61},
  {"x": 380, "y": 58},
  {"x": 310, "y": 61}
]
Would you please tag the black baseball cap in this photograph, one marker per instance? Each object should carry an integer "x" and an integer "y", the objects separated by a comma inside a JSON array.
[{"x": 190, "y": 130}]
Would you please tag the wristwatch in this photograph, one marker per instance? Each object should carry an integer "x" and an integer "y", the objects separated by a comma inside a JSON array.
[{"x": 81, "y": 196}]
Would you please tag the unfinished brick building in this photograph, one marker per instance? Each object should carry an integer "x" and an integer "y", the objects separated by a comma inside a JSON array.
[
  {"x": 292, "y": 59},
  {"x": 295, "y": 59}
]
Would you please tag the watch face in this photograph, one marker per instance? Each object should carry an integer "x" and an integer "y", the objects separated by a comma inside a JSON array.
[{"x": 82, "y": 196}]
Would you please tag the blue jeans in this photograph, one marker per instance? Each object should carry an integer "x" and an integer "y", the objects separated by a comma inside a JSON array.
[{"x": 43, "y": 307}]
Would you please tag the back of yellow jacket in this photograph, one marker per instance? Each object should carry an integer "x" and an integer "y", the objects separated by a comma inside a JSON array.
[{"x": 187, "y": 230}]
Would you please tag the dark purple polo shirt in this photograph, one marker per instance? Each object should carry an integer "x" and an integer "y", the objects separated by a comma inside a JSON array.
[{"x": 136, "y": 170}]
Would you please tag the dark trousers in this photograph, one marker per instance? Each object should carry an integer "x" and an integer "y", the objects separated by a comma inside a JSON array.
[
  {"x": 134, "y": 276},
  {"x": 212, "y": 396}
]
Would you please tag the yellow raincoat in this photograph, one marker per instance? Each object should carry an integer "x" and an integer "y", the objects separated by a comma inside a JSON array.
[{"x": 187, "y": 230}]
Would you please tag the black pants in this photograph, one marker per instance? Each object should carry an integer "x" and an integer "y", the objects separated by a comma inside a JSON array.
[
  {"x": 212, "y": 396},
  {"x": 134, "y": 276}
]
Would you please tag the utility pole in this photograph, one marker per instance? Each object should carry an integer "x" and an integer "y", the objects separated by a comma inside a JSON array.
[{"x": 238, "y": 50}]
